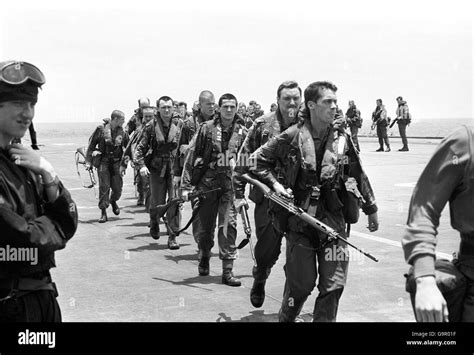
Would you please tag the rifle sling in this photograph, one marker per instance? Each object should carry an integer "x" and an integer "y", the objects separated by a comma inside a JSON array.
[{"x": 193, "y": 217}]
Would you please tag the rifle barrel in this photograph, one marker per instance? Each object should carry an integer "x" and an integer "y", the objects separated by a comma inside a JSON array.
[{"x": 330, "y": 232}]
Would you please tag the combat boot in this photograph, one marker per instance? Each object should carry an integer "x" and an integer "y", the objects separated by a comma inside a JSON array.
[
  {"x": 203, "y": 267},
  {"x": 380, "y": 149},
  {"x": 257, "y": 293},
  {"x": 154, "y": 225},
  {"x": 388, "y": 149},
  {"x": 103, "y": 216},
  {"x": 229, "y": 279},
  {"x": 172, "y": 244},
  {"x": 115, "y": 208}
]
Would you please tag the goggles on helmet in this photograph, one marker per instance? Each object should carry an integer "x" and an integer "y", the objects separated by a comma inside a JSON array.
[{"x": 17, "y": 73}]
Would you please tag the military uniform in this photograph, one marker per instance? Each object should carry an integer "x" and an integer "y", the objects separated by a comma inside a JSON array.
[
  {"x": 143, "y": 182},
  {"x": 135, "y": 121},
  {"x": 111, "y": 144},
  {"x": 209, "y": 149},
  {"x": 404, "y": 120},
  {"x": 448, "y": 176},
  {"x": 268, "y": 246},
  {"x": 156, "y": 150},
  {"x": 354, "y": 122},
  {"x": 380, "y": 117},
  {"x": 27, "y": 293},
  {"x": 308, "y": 162},
  {"x": 188, "y": 129},
  {"x": 135, "y": 125}
]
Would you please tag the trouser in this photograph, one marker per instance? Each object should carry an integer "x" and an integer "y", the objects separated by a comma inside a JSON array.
[
  {"x": 355, "y": 139},
  {"x": 466, "y": 267},
  {"x": 303, "y": 264},
  {"x": 143, "y": 188},
  {"x": 159, "y": 187},
  {"x": 268, "y": 246},
  {"x": 217, "y": 205},
  {"x": 35, "y": 306},
  {"x": 402, "y": 128},
  {"x": 110, "y": 183},
  {"x": 382, "y": 134}
]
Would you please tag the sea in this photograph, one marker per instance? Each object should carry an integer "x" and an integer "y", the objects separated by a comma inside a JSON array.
[{"x": 78, "y": 133}]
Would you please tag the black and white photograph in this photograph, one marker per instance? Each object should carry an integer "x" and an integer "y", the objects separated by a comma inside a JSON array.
[{"x": 168, "y": 166}]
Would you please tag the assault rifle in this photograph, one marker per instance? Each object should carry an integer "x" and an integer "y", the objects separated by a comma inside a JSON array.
[
  {"x": 393, "y": 122},
  {"x": 332, "y": 235},
  {"x": 247, "y": 228},
  {"x": 174, "y": 203}
]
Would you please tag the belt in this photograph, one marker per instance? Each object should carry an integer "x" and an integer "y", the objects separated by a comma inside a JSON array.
[{"x": 35, "y": 282}]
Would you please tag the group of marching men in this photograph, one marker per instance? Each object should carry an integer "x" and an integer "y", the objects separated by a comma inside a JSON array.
[
  {"x": 293, "y": 149},
  {"x": 299, "y": 154}
]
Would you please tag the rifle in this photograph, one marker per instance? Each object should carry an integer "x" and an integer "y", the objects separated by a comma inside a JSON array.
[
  {"x": 332, "y": 235},
  {"x": 160, "y": 210},
  {"x": 394, "y": 121},
  {"x": 247, "y": 228},
  {"x": 81, "y": 164}
]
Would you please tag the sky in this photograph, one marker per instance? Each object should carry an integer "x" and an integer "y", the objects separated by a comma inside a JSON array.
[{"x": 99, "y": 56}]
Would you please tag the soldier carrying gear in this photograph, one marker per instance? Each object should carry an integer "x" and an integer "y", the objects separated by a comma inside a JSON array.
[
  {"x": 209, "y": 164},
  {"x": 155, "y": 153},
  {"x": 267, "y": 248},
  {"x": 317, "y": 160},
  {"x": 105, "y": 151}
]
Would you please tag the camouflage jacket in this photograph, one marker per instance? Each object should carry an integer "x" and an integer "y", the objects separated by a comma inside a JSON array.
[
  {"x": 157, "y": 146},
  {"x": 111, "y": 143},
  {"x": 188, "y": 129},
  {"x": 307, "y": 162},
  {"x": 211, "y": 152},
  {"x": 264, "y": 128}
]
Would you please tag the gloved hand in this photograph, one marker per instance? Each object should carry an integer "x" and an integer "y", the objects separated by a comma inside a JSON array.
[{"x": 144, "y": 171}]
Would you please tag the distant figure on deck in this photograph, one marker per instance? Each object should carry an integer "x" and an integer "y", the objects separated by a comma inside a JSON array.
[
  {"x": 403, "y": 119},
  {"x": 380, "y": 119},
  {"x": 354, "y": 122}
]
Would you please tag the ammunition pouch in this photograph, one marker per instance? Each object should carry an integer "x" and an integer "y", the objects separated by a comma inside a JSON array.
[
  {"x": 351, "y": 200},
  {"x": 331, "y": 199},
  {"x": 199, "y": 169},
  {"x": 96, "y": 161},
  {"x": 279, "y": 216},
  {"x": 148, "y": 158},
  {"x": 346, "y": 198},
  {"x": 450, "y": 281},
  {"x": 256, "y": 195},
  {"x": 159, "y": 163}
]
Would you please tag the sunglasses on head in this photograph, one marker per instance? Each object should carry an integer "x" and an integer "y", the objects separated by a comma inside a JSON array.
[{"x": 17, "y": 73}]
